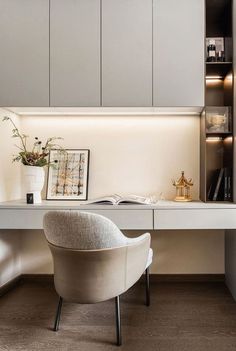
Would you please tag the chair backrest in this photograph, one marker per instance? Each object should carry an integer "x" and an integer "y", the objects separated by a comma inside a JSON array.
[
  {"x": 92, "y": 275},
  {"x": 81, "y": 230}
]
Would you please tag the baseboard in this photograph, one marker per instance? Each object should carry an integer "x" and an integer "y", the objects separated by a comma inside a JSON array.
[
  {"x": 154, "y": 278},
  {"x": 185, "y": 278},
  {"x": 9, "y": 285},
  {"x": 158, "y": 278}
]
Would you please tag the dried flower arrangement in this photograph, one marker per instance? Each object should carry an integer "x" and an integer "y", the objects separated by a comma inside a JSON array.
[{"x": 38, "y": 155}]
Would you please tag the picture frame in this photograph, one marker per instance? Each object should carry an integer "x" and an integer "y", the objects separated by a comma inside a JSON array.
[
  {"x": 68, "y": 180},
  {"x": 220, "y": 43},
  {"x": 218, "y": 119}
]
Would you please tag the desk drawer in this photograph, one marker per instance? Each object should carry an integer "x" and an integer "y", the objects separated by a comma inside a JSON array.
[
  {"x": 195, "y": 219},
  {"x": 129, "y": 219},
  {"x": 33, "y": 219},
  {"x": 21, "y": 219}
]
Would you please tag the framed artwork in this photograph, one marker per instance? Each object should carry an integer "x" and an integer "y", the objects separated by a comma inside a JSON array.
[
  {"x": 218, "y": 119},
  {"x": 219, "y": 42},
  {"x": 69, "y": 179}
]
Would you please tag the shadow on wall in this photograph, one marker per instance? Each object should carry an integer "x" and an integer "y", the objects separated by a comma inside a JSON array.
[
  {"x": 9, "y": 255},
  {"x": 35, "y": 254},
  {"x": 186, "y": 251},
  {"x": 37, "y": 263},
  {"x": 175, "y": 252}
]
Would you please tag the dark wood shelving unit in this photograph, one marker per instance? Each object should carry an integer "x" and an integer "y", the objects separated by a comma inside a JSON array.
[
  {"x": 219, "y": 134},
  {"x": 218, "y": 68},
  {"x": 219, "y": 63},
  {"x": 217, "y": 147}
]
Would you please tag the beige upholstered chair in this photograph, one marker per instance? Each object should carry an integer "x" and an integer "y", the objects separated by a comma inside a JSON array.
[{"x": 93, "y": 260}]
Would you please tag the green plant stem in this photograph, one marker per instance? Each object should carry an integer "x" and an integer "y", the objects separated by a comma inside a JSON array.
[{"x": 21, "y": 138}]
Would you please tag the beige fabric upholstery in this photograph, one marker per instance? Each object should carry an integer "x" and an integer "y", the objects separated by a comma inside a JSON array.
[
  {"x": 82, "y": 230},
  {"x": 86, "y": 272}
]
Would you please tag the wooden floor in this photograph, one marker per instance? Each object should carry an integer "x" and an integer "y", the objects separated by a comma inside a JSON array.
[{"x": 182, "y": 316}]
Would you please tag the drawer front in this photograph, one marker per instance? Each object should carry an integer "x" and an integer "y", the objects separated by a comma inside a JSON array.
[
  {"x": 33, "y": 219},
  {"x": 21, "y": 219},
  {"x": 195, "y": 219},
  {"x": 129, "y": 219}
]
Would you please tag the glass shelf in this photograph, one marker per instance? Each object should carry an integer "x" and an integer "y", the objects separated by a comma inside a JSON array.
[{"x": 219, "y": 63}]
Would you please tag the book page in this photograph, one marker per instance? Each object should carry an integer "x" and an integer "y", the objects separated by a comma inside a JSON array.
[
  {"x": 135, "y": 199},
  {"x": 109, "y": 200}
]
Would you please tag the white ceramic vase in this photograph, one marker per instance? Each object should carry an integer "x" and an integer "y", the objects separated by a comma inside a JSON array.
[{"x": 33, "y": 178}]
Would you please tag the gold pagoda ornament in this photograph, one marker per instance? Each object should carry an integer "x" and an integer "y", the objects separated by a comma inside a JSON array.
[{"x": 183, "y": 189}]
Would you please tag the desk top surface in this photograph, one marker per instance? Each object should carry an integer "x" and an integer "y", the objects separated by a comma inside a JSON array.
[{"x": 76, "y": 205}]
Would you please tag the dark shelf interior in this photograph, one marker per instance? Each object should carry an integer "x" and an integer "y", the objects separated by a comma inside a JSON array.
[
  {"x": 218, "y": 156},
  {"x": 219, "y": 92},
  {"x": 216, "y": 69},
  {"x": 219, "y": 134},
  {"x": 218, "y": 18},
  {"x": 217, "y": 147}
]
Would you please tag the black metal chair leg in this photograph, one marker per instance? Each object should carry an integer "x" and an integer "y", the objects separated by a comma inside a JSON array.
[
  {"x": 118, "y": 322},
  {"x": 147, "y": 287},
  {"x": 58, "y": 315}
]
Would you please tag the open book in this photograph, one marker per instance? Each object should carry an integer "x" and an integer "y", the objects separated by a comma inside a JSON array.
[{"x": 116, "y": 199}]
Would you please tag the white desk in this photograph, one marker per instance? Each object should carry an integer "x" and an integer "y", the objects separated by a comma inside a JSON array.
[{"x": 163, "y": 215}]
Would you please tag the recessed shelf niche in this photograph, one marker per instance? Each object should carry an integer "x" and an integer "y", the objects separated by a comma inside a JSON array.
[{"x": 217, "y": 127}]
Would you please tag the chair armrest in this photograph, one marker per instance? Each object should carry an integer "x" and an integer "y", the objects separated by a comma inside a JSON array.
[{"x": 137, "y": 257}]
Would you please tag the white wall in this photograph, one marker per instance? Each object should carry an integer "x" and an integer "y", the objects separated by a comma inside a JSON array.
[
  {"x": 9, "y": 190},
  {"x": 128, "y": 154},
  {"x": 134, "y": 155}
]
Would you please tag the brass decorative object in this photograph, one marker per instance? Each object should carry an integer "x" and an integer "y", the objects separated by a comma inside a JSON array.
[{"x": 183, "y": 186}]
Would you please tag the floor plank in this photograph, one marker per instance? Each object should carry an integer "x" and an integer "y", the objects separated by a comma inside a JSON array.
[{"x": 182, "y": 316}]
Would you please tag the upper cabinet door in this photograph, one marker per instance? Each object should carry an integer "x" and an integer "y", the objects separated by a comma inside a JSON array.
[
  {"x": 24, "y": 53},
  {"x": 75, "y": 53},
  {"x": 178, "y": 53},
  {"x": 126, "y": 52}
]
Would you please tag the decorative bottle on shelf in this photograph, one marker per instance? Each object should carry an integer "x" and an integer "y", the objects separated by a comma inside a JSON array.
[
  {"x": 220, "y": 56},
  {"x": 211, "y": 51}
]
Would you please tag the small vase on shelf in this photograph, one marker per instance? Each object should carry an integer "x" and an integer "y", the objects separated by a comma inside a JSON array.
[
  {"x": 34, "y": 160},
  {"x": 33, "y": 180}
]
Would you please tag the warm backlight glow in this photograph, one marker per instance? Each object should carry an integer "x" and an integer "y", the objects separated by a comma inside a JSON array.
[
  {"x": 214, "y": 77},
  {"x": 213, "y": 81},
  {"x": 213, "y": 139}
]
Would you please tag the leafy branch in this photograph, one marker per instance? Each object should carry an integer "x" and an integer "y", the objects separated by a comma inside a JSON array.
[{"x": 39, "y": 155}]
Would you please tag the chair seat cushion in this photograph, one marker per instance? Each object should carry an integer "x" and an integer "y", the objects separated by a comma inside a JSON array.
[{"x": 150, "y": 256}]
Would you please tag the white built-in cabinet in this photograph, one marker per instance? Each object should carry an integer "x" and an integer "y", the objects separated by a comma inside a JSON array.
[
  {"x": 75, "y": 53},
  {"x": 178, "y": 52},
  {"x": 24, "y": 53},
  {"x": 102, "y": 53},
  {"x": 126, "y": 52}
]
